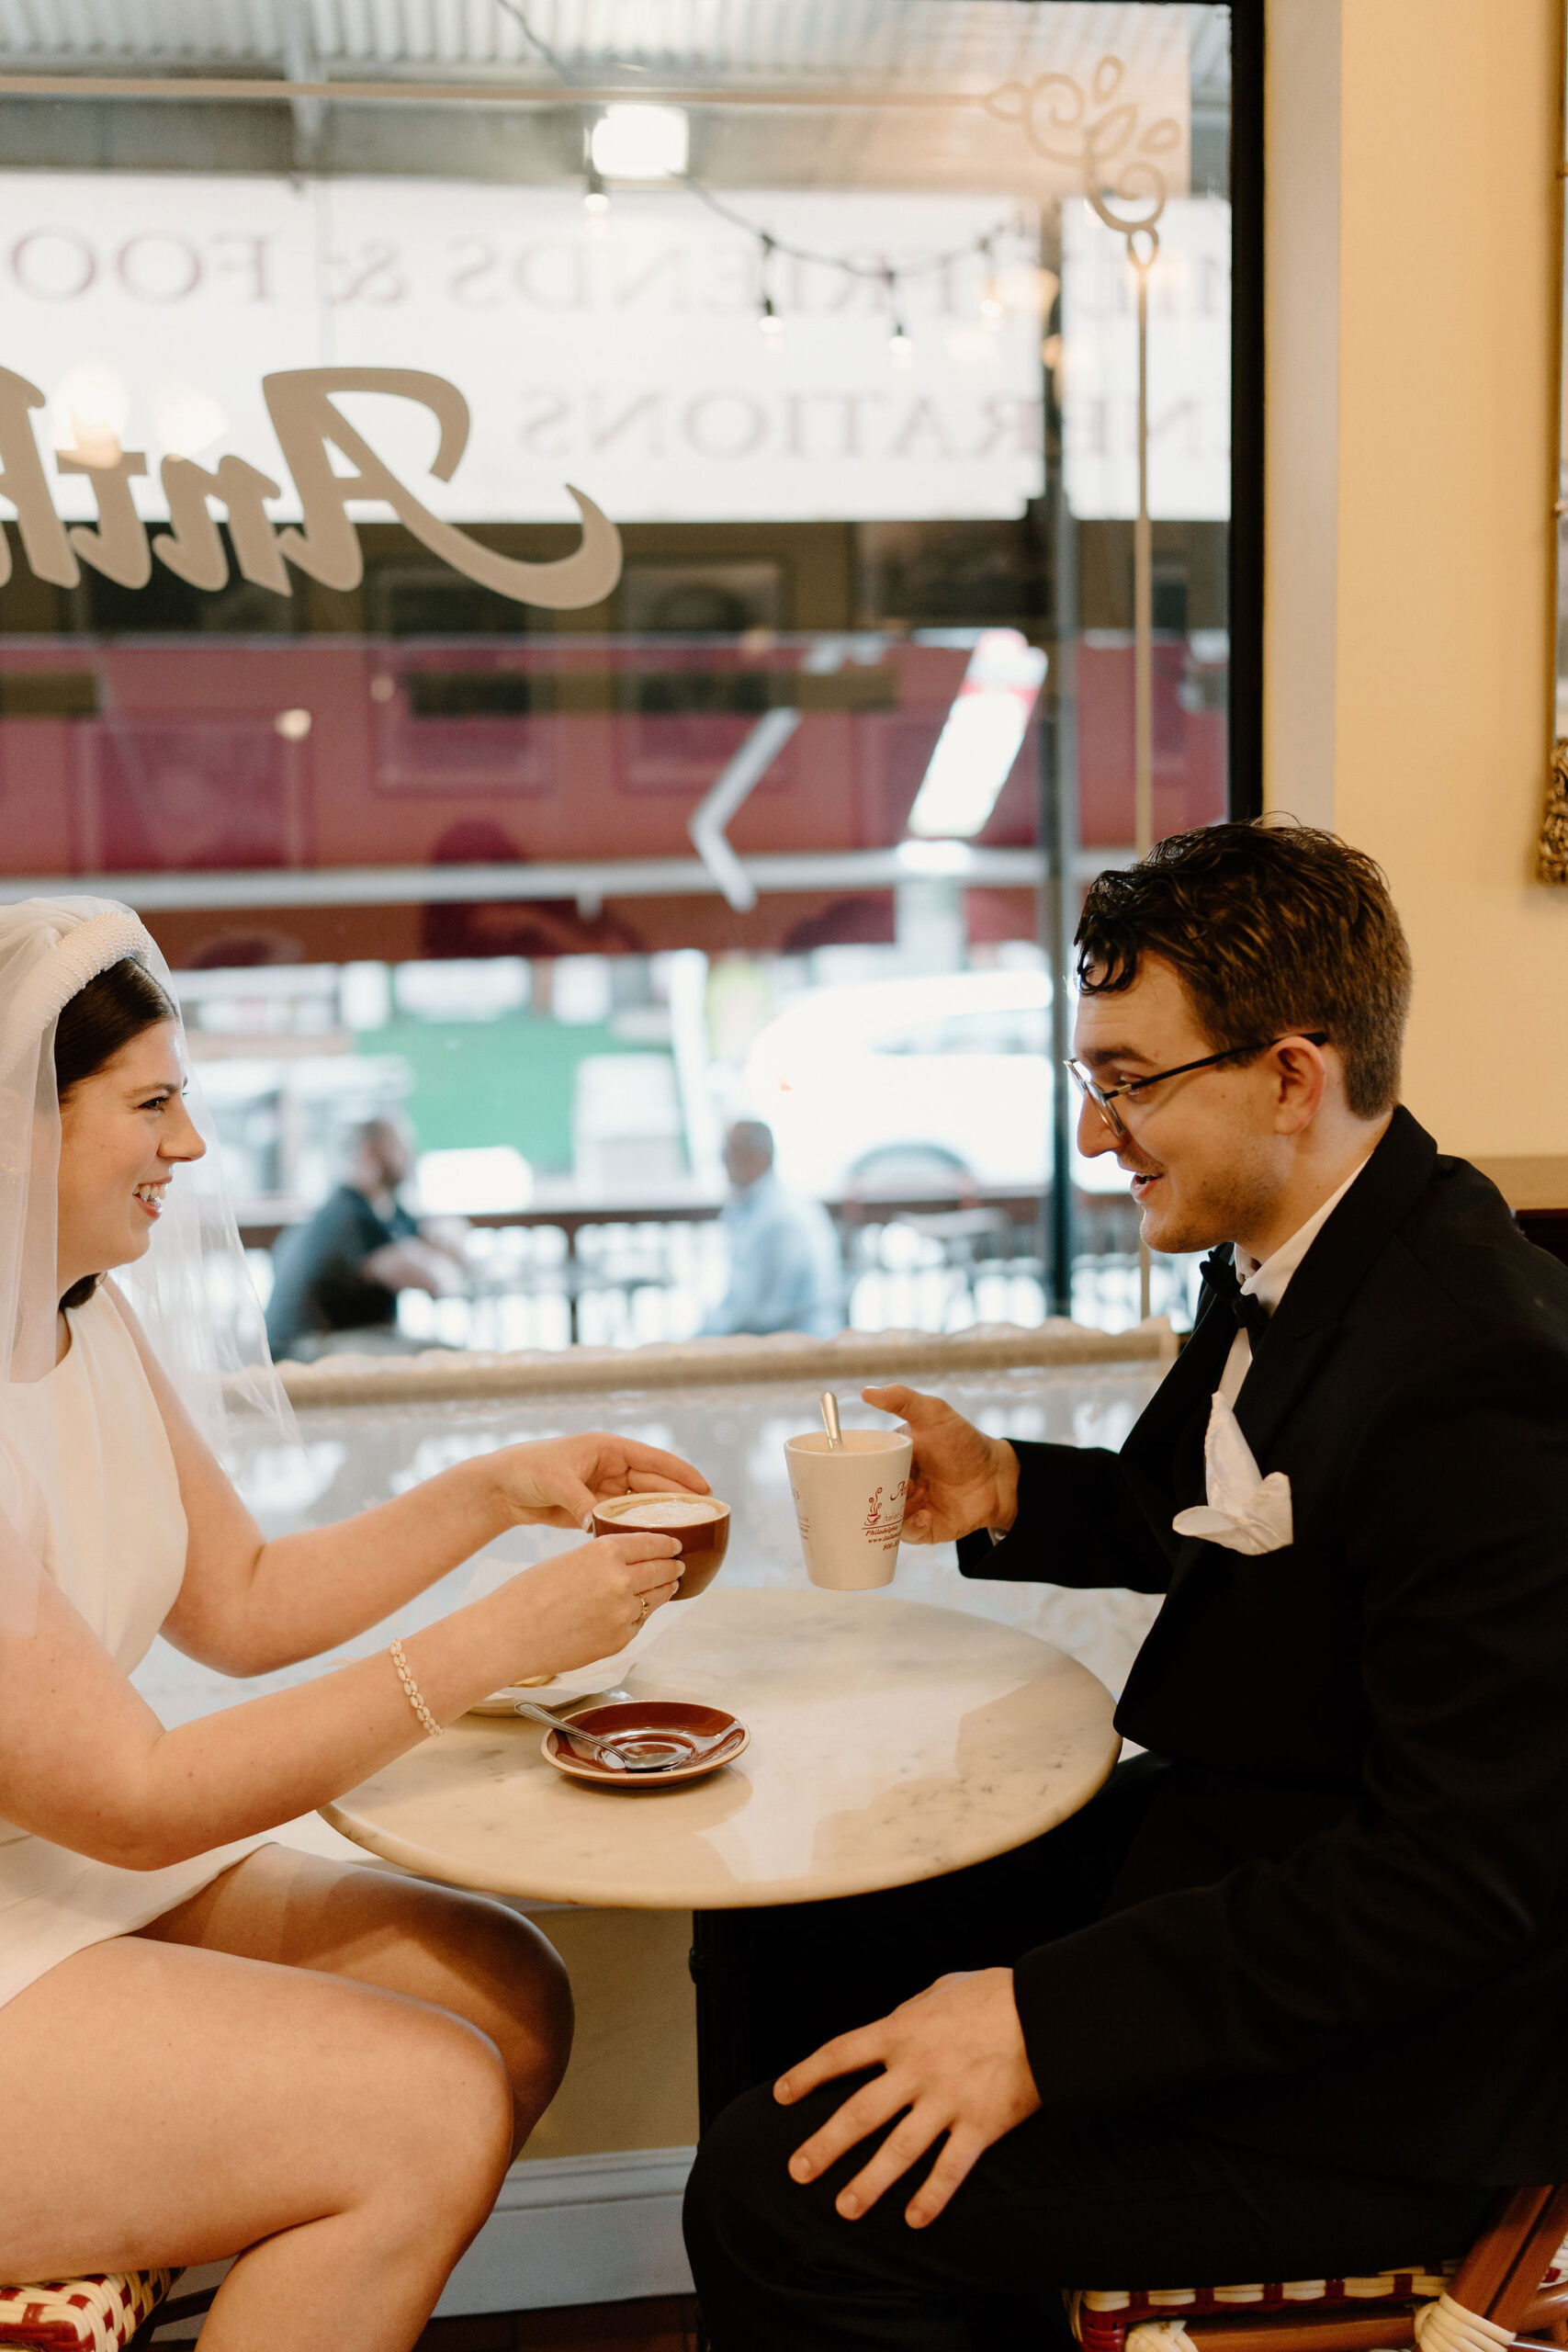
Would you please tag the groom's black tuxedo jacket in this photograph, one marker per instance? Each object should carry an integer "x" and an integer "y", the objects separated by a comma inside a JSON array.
[{"x": 1342, "y": 1928}]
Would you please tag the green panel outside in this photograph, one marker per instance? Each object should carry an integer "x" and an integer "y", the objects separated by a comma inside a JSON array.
[{"x": 494, "y": 1081}]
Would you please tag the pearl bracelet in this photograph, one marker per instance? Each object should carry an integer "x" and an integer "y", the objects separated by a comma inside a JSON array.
[{"x": 410, "y": 1689}]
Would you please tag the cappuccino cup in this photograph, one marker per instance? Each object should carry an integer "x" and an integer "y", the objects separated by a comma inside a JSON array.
[
  {"x": 701, "y": 1522},
  {"x": 849, "y": 1502}
]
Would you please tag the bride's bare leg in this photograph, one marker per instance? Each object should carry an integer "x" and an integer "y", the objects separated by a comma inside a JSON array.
[
  {"x": 460, "y": 1952},
  {"x": 167, "y": 2105}
]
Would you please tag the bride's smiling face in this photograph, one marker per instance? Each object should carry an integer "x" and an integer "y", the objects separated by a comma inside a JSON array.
[{"x": 123, "y": 1132}]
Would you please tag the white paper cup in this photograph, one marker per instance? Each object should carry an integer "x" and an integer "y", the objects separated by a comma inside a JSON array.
[{"x": 850, "y": 1505}]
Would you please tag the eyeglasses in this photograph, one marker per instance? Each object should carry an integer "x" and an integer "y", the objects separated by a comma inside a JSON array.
[{"x": 1103, "y": 1097}]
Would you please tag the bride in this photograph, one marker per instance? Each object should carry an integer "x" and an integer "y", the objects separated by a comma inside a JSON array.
[{"x": 209, "y": 2044}]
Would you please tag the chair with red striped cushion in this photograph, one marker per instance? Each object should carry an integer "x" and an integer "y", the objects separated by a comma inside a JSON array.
[
  {"x": 100, "y": 2312},
  {"x": 1512, "y": 2285}
]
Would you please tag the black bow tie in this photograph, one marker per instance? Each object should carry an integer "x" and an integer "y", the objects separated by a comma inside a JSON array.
[{"x": 1218, "y": 1271}]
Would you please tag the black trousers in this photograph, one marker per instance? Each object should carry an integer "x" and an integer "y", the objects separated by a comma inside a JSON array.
[{"x": 1053, "y": 2204}]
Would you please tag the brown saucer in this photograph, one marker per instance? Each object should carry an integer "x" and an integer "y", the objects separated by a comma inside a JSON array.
[{"x": 672, "y": 1717}]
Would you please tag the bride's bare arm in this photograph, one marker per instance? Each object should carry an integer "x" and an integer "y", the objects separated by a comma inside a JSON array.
[
  {"x": 83, "y": 1761},
  {"x": 248, "y": 1607}
]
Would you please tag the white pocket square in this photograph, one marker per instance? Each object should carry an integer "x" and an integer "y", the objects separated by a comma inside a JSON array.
[{"x": 1244, "y": 1511}]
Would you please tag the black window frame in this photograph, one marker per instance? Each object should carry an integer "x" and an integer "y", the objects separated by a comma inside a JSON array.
[{"x": 1247, "y": 408}]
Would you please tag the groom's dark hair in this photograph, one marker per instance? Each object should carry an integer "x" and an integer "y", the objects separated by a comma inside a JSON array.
[{"x": 1271, "y": 928}]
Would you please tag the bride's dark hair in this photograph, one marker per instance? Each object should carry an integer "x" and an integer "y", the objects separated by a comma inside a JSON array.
[{"x": 93, "y": 1026}]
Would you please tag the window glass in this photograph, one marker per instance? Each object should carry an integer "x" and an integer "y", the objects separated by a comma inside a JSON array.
[{"x": 586, "y": 590}]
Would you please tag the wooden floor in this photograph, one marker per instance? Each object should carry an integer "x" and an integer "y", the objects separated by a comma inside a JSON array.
[{"x": 661, "y": 2324}]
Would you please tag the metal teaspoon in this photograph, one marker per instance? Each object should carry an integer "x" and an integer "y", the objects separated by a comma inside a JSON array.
[{"x": 622, "y": 1754}]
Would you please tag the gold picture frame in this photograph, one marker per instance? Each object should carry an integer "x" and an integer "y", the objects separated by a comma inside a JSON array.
[{"x": 1551, "y": 850}]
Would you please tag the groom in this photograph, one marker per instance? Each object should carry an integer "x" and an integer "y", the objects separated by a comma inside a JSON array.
[{"x": 1285, "y": 2000}]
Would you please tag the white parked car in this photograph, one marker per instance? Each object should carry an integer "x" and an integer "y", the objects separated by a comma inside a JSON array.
[{"x": 865, "y": 1085}]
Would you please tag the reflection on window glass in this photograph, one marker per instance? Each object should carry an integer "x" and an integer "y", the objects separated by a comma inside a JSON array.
[{"x": 757, "y": 832}]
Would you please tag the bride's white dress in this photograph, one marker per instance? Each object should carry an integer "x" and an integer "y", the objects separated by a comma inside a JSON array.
[{"x": 87, "y": 1479}]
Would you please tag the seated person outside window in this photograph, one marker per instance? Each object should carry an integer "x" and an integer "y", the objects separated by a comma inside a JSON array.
[
  {"x": 785, "y": 1269},
  {"x": 1285, "y": 2000},
  {"x": 341, "y": 1270}
]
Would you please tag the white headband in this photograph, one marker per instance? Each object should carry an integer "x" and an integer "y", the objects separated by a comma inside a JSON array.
[{"x": 80, "y": 953}]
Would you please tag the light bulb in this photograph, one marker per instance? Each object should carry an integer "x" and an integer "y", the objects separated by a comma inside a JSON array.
[
  {"x": 991, "y": 303},
  {"x": 900, "y": 348},
  {"x": 595, "y": 195},
  {"x": 770, "y": 326}
]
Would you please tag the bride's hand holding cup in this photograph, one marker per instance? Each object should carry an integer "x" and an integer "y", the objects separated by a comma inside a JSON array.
[
  {"x": 586, "y": 1603},
  {"x": 556, "y": 1482}
]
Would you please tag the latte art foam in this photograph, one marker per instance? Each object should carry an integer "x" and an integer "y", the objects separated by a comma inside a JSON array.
[{"x": 663, "y": 1510}]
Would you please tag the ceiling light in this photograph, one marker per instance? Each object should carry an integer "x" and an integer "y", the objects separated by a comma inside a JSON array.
[
  {"x": 981, "y": 738},
  {"x": 641, "y": 143}
]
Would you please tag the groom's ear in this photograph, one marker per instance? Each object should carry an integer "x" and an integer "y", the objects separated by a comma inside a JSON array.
[{"x": 1302, "y": 1082}]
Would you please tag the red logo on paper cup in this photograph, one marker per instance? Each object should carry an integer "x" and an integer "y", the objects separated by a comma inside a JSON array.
[{"x": 883, "y": 1523}]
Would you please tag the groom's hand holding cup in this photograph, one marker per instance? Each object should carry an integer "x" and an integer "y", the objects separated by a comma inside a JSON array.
[{"x": 959, "y": 1478}]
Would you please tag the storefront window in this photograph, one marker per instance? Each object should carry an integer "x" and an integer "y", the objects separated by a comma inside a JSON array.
[{"x": 585, "y": 579}]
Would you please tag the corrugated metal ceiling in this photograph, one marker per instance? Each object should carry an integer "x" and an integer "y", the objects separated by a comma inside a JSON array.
[{"x": 715, "y": 42}]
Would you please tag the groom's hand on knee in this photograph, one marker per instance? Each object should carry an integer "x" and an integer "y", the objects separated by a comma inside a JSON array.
[{"x": 952, "y": 2068}]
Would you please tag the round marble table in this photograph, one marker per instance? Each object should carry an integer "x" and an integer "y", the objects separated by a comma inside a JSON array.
[{"x": 890, "y": 1742}]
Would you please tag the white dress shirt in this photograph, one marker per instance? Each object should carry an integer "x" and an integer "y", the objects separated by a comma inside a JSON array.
[
  {"x": 1270, "y": 1280},
  {"x": 1267, "y": 1281}
]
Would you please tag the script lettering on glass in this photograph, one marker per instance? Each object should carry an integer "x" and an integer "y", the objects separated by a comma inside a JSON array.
[{"x": 309, "y": 425}]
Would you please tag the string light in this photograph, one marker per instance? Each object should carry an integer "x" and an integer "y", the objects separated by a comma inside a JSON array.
[
  {"x": 991, "y": 303},
  {"x": 597, "y": 203},
  {"x": 768, "y": 323},
  {"x": 900, "y": 344}
]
